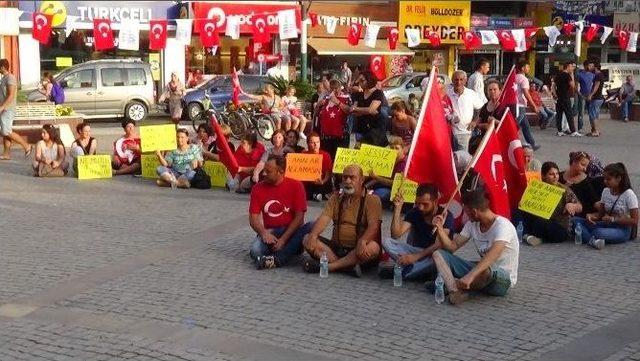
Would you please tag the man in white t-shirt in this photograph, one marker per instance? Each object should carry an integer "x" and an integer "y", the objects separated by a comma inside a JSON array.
[
  {"x": 476, "y": 80},
  {"x": 496, "y": 241},
  {"x": 466, "y": 105}
]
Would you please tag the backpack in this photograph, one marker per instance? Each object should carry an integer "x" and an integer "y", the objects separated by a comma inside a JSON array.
[
  {"x": 201, "y": 180},
  {"x": 57, "y": 93}
]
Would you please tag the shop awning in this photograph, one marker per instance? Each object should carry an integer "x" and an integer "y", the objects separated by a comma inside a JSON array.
[{"x": 328, "y": 46}]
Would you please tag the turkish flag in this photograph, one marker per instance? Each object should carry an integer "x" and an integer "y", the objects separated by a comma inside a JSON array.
[
  {"x": 515, "y": 169},
  {"x": 157, "y": 34},
  {"x": 430, "y": 158},
  {"x": 377, "y": 67},
  {"x": 314, "y": 19},
  {"x": 209, "y": 33},
  {"x": 623, "y": 39},
  {"x": 102, "y": 34},
  {"x": 568, "y": 28},
  {"x": 260, "y": 31},
  {"x": 509, "y": 97},
  {"x": 471, "y": 40},
  {"x": 236, "y": 89},
  {"x": 355, "y": 30},
  {"x": 41, "y": 30},
  {"x": 506, "y": 40},
  {"x": 592, "y": 32},
  {"x": 393, "y": 38},
  {"x": 224, "y": 152},
  {"x": 489, "y": 164},
  {"x": 434, "y": 39}
]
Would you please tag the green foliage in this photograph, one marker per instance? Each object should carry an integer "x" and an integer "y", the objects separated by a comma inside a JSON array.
[
  {"x": 279, "y": 83},
  {"x": 304, "y": 89},
  {"x": 63, "y": 110}
]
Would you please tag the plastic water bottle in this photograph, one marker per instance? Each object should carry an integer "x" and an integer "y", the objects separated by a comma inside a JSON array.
[
  {"x": 324, "y": 265},
  {"x": 578, "y": 234},
  {"x": 397, "y": 275},
  {"x": 439, "y": 289},
  {"x": 520, "y": 231}
]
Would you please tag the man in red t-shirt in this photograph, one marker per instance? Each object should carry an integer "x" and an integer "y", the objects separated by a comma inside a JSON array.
[
  {"x": 319, "y": 189},
  {"x": 276, "y": 213},
  {"x": 334, "y": 110}
]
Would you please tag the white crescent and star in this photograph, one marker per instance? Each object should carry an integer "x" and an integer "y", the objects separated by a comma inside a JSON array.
[
  {"x": 354, "y": 29},
  {"x": 104, "y": 32},
  {"x": 267, "y": 209},
  {"x": 497, "y": 158},
  {"x": 376, "y": 62},
  {"x": 513, "y": 145},
  {"x": 209, "y": 28},
  {"x": 44, "y": 22},
  {"x": 260, "y": 24},
  {"x": 157, "y": 34},
  {"x": 217, "y": 13}
]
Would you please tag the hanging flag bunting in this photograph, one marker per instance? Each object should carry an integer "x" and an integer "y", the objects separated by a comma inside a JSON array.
[
  {"x": 489, "y": 37},
  {"x": 129, "y": 35},
  {"x": 529, "y": 32},
  {"x": 605, "y": 34},
  {"x": 353, "y": 37},
  {"x": 157, "y": 34},
  {"x": 287, "y": 24},
  {"x": 377, "y": 67},
  {"x": 10, "y": 21},
  {"x": 314, "y": 19},
  {"x": 413, "y": 37},
  {"x": 520, "y": 39},
  {"x": 102, "y": 34},
  {"x": 552, "y": 33},
  {"x": 623, "y": 39},
  {"x": 568, "y": 28},
  {"x": 41, "y": 29},
  {"x": 392, "y": 38},
  {"x": 592, "y": 31},
  {"x": 471, "y": 40},
  {"x": 331, "y": 22},
  {"x": 506, "y": 40},
  {"x": 183, "y": 31},
  {"x": 209, "y": 33},
  {"x": 371, "y": 35},
  {"x": 434, "y": 39},
  {"x": 232, "y": 29},
  {"x": 260, "y": 33},
  {"x": 633, "y": 42}
]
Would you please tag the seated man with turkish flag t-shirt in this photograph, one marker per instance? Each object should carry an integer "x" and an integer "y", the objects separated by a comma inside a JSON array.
[
  {"x": 126, "y": 151},
  {"x": 356, "y": 217},
  {"x": 276, "y": 213},
  {"x": 321, "y": 188},
  {"x": 334, "y": 110}
]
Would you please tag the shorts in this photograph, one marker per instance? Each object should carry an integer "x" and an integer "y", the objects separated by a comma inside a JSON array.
[
  {"x": 6, "y": 121},
  {"x": 499, "y": 283},
  {"x": 342, "y": 251}
]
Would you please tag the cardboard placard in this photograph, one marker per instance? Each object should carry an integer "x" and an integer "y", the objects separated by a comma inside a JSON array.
[
  {"x": 380, "y": 160},
  {"x": 344, "y": 157},
  {"x": 541, "y": 199},
  {"x": 149, "y": 164},
  {"x": 407, "y": 190},
  {"x": 63, "y": 62},
  {"x": 304, "y": 167},
  {"x": 217, "y": 172},
  {"x": 94, "y": 167},
  {"x": 158, "y": 137}
]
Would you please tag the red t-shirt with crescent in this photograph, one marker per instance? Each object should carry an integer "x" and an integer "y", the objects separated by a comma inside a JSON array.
[{"x": 278, "y": 203}]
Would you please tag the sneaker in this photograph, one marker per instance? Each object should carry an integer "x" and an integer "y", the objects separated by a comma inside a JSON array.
[
  {"x": 560, "y": 134},
  {"x": 317, "y": 197},
  {"x": 626, "y": 120},
  {"x": 310, "y": 265},
  {"x": 597, "y": 243},
  {"x": 303, "y": 136},
  {"x": 533, "y": 241},
  {"x": 576, "y": 134},
  {"x": 266, "y": 262}
]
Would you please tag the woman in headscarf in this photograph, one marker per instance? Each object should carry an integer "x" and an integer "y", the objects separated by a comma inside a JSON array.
[{"x": 174, "y": 92}]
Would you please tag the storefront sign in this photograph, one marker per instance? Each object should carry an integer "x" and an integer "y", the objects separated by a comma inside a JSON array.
[
  {"x": 626, "y": 21},
  {"x": 501, "y": 22},
  {"x": 244, "y": 11},
  {"x": 523, "y": 22},
  {"x": 350, "y": 13},
  {"x": 447, "y": 18}
]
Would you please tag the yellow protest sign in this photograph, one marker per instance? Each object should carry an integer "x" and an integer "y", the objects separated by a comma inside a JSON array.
[
  {"x": 217, "y": 172},
  {"x": 63, "y": 62},
  {"x": 94, "y": 166},
  {"x": 449, "y": 19},
  {"x": 380, "y": 160},
  {"x": 154, "y": 62},
  {"x": 531, "y": 175},
  {"x": 344, "y": 157},
  {"x": 149, "y": 163},
  {"x": 406, "y": 187},
  {"x": 158, "y": 137},
  {"x": 304, "y": 167},
  {"x": 541, "y": 199}
]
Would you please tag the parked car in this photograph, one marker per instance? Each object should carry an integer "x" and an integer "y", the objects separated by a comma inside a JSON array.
[
  {"x": 219, "y": 90},
  {"x": 398, "y": 87},
  {"x": 107, "y": 89}
]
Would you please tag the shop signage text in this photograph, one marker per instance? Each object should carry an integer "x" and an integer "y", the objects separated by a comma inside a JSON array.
[
  {"x": 626, "y": 21},
  {"x": 220, "y": 11},
  {"x": 449, "y": 19}
]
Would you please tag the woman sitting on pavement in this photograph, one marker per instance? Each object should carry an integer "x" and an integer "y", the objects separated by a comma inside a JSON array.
[
  {"x": 382, "y": 185},
  {"x": 615, "y": 214},
  {"x": 279, "y": 149},
  {"x": 206, "y": 140},
  {"x": 177, "y": 167},
  {"x": 403, "y": 125},
  {"x": 292, "y": 138},
  {"x": 576, "y": 178},
  {"x": 558, "y": 227},
  {"x": 247, "y": 155},
  {"x": 50, "y": 154},
  {"x": 126, "y": 151},
  {"x": 85, "y": 144},
  {"x": 321, "y": 188}
]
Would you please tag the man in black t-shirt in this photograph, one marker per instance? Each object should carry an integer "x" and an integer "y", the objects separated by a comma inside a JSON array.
[
  {"x": 565, "y": 90},
  {"x": 595, "y": 101}
]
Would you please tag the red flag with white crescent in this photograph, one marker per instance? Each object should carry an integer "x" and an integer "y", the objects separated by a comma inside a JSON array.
[
  {"x": 511, "y": 150},
  {"x": 41, "y": 30},
  {"x": 509, "y": 97},
  {"x": 623, "y": 39},
  {"x": 592, "y": 32},
  {"x": 378, "y": 67},
  {"x": 471, "y": 40},
  {"x": 209, "y": 33},
  {"x": 314, "y": 19},
  {"x": 224, "y": 151},
  {"x": 568, "y": 28},
  {"x": 157, "y": 34},
  {"x": 506, "y": 40},
  {"x": 393, "y": 38},
  {"x": 434, "y": 39},
  {"x": 102, "y": 34},
  {"x": 260, "y": 33},
  {"x": 355, "y": 31}
]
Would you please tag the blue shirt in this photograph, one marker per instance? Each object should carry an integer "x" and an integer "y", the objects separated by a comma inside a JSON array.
[
  {"x": 585, "y": 78},
  {"x": 423, "y": 235}
]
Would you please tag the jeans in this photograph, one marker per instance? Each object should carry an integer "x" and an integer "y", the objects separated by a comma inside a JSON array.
[
  {"x": 563, "y": 107},
  {"x": 499, "y": 283},
  {"x": 545, "y": 115},
  {"x": 593, "y": 109},
  {"x": 189, "y": 174},
  {"x": 611, "y": 233},
  {"x": 524, "y": 126},
  {"x": 580, "y": 105},
  {"x": 415, "y": 271},
  {"x": 625, "y": 108},
  {"x": 292, "y": 248},
  {"x": 463, "y": 140},
  {"x": 547, "y": 230}
]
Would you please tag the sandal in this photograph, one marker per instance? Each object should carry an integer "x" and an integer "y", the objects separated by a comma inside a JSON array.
[
  {"x": 28, "y": 152},
  {"x": 2, "y": 157},
  {"x": 310, "y": 265}
]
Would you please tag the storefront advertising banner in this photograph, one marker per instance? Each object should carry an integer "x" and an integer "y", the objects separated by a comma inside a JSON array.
[
  {"x": 447, "y": 18},
  {"x": 626, "y": 21},
  {"x": 244, "y": 11}
]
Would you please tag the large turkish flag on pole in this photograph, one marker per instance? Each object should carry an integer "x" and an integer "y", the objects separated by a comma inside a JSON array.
[
  {"x": 224, "y": 151},
  {"x": 511, "y": 149}
]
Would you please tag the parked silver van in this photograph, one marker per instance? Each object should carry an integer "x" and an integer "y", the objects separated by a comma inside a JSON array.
[{"x": 107, "y": 89}]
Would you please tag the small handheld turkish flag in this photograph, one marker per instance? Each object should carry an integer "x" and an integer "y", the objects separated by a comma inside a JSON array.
[
  {"x": 592, "y": 32},
  {"x": 355, "y": 30},
  {"x": 393, "y": 38},
  {"x": 209, "y": 33},
  {"x": 102, "y": 34},
  {"x": 41, "y": 30},
  {"x": 377, "y": 67},
  {"x": 471, "y": 40},
  {"x": 260, "y": 33},
  {"x": 623, "y": 39},
  {"x": 157, "y": 34}
]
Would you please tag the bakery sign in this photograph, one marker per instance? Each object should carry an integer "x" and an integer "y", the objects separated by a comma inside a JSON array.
[{"x": 449, "y": 19}]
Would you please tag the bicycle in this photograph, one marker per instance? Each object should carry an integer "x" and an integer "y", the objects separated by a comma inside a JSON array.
[
  {"x": 263, "y": 124},
  {"x": 223, "y": 115}
]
